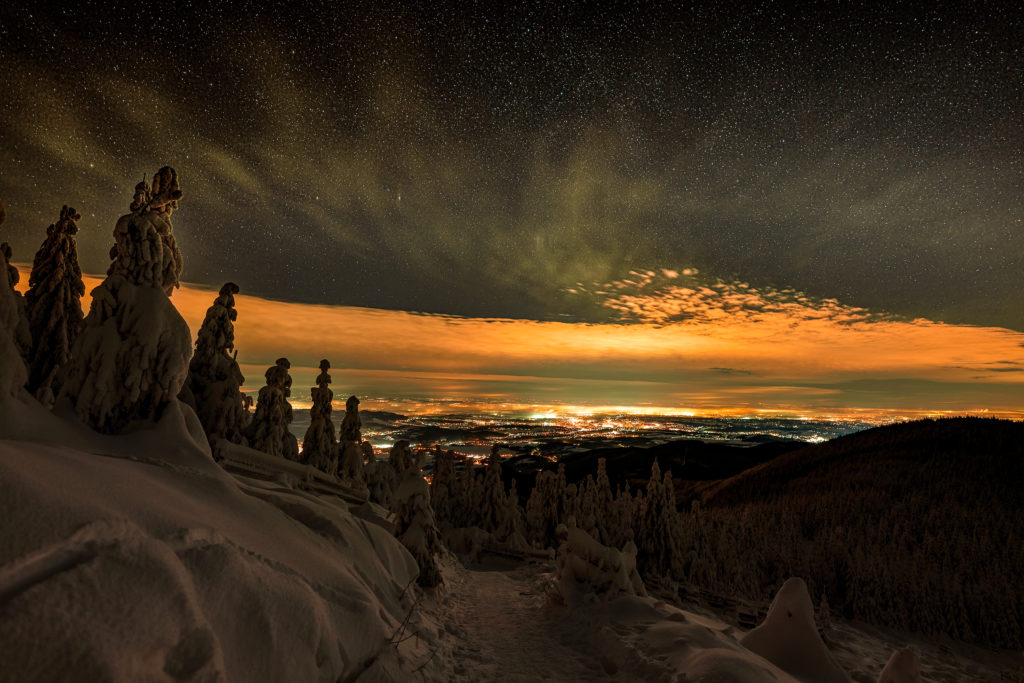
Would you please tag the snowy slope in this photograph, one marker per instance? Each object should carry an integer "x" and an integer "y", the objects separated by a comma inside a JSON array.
[{"x": 137, "y": 558}]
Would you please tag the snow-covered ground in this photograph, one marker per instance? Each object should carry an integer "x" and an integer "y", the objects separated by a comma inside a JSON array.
[{"x": 136, "y": 557}]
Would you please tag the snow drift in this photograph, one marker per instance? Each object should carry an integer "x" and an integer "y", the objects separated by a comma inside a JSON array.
[{"x": 135, "y": 557}]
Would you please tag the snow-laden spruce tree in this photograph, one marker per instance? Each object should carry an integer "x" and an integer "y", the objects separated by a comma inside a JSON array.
[
  {"x": 441, "y": 486},
  {"x": 319, "y": 447},
  {"x": 658, "y": 527},
  {"x": 414, "y": 522},
  {"x": 214, "y": 378},
  {"x": 13, "y": 325},
  {"x": 401, "y": 457},
  {"x": 620, "y": 518},
  {"x": 494, "y": 501},
  {"x": 512, "y": 526},
  {"x": 54, "y": 303},
  {"x": 603, "y": 499},
  {"x": 542, "y": 511},
  {"x": 587, "y": 508},
  {"x": 349, "y": 443},
  {"x": 381, "y": 479},
  {"x": 268, "y": 430},
  {"x": 131, "y": 359}
]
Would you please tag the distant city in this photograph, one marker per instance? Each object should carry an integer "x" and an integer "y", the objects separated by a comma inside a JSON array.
[{"x": 552, "y": 433}]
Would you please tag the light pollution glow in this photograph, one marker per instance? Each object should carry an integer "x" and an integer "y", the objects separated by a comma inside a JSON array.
[{"x": 736, "y": 351}]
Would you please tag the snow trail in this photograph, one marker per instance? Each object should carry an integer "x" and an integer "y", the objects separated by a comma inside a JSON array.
[{"x": 505, "y": 630}]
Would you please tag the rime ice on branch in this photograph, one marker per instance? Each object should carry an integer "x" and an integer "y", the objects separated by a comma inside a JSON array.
[
  {"x": 131, "y": 359},
  {"x": 14, "y": 335},
  {"x": 268, "y": 430},
  {"x": 214, "y": 378},
  {"x": 319, "y": 447},
  {"x": 53, "y": 302}
]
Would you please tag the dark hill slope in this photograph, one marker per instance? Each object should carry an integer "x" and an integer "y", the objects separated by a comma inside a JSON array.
[
  {"x": 689, "y": 461},
  {"x": 914, "y": 525},
  {"x": 972, "y": 456}
]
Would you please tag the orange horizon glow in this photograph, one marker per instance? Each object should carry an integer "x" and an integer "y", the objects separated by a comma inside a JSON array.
[{"x": 797, "y": 358}]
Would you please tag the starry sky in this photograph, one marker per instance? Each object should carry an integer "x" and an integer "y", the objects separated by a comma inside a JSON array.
[
  {"x": 485, "y": 158},
  {"x": 645, "y": 196}
]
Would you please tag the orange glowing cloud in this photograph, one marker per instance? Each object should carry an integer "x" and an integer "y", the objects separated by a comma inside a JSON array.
[{"x": 688, "y": 346}]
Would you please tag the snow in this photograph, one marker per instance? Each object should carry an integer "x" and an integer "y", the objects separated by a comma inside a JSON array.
[
  {"x": 136, "y": 557},
  {"x": 131, "y": 358},
  {"x": 587, "y": 569},
  {"x": 902, "y": 667},
  {"x": 789, "y": 638}
]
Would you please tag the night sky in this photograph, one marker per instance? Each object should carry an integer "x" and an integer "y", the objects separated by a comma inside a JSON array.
[{"x": 491, "y": 160}]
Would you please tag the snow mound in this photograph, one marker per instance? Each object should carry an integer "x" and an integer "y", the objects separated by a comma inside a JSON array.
[
  {"x": 588, "y": 569},
  {"x": 143, "y": 560},
  {"x": 902, "y": 667},
  {"x": 789, "y": 639}
]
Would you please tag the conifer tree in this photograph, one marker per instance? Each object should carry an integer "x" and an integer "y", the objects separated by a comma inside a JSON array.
[
  {"x": 604, "y": 499},
  {"x": 268, "y": 430},
  {"x": 414, "y": 522},
  {"x": 494, "y": 500},
  {"x": 542, "y": 510},
  {"x": 15, "y": 340},
  {"x": 53, "y": 303},
  {"x": 319, "y": 447},
  {"x": 351, "y": 452},
  {"x": 214, "y": 378},
  {"x": 512, "y": 524},
  {"x": 442, "y": 485},
  {"x": 131, "y": 359},
  {"x": 657, "y": 527},
  {"x": 381, "y": 479}
]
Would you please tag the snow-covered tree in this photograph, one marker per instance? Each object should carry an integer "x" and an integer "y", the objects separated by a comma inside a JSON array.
[
  {"x": 13, "y": 325},
  {"x": 319, "y": 447},
  {"x": 414, "y": 522},
  {"x": 268, "y": 430},
  {"x": 542, "y": 511},
  {"x": 381, "y": 479},
  {"x": 351, "y": 425},
  {"x": 658, "y": 527},
  {"x": 602, "y": 499},
  {"x": 620, "y": 519},
  {"x": 511, "y": 528},
  {"x": 588, "y": 568},
  {"x": 349, "y": 442},
  {"x": 400, "y": 458},
  {"x": 441, "y": 486},
  {"x": 146, "y": 251},
  {"x": 214, "y": 378},
  {"x": 53, "y": 303},
  {"x": 131, "y": 359},
  {"x": 494, "y": 500},
  {"x": 587, "y": 508}
]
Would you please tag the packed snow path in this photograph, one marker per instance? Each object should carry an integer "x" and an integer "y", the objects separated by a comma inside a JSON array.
[{"x": 504, "y": 628}]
